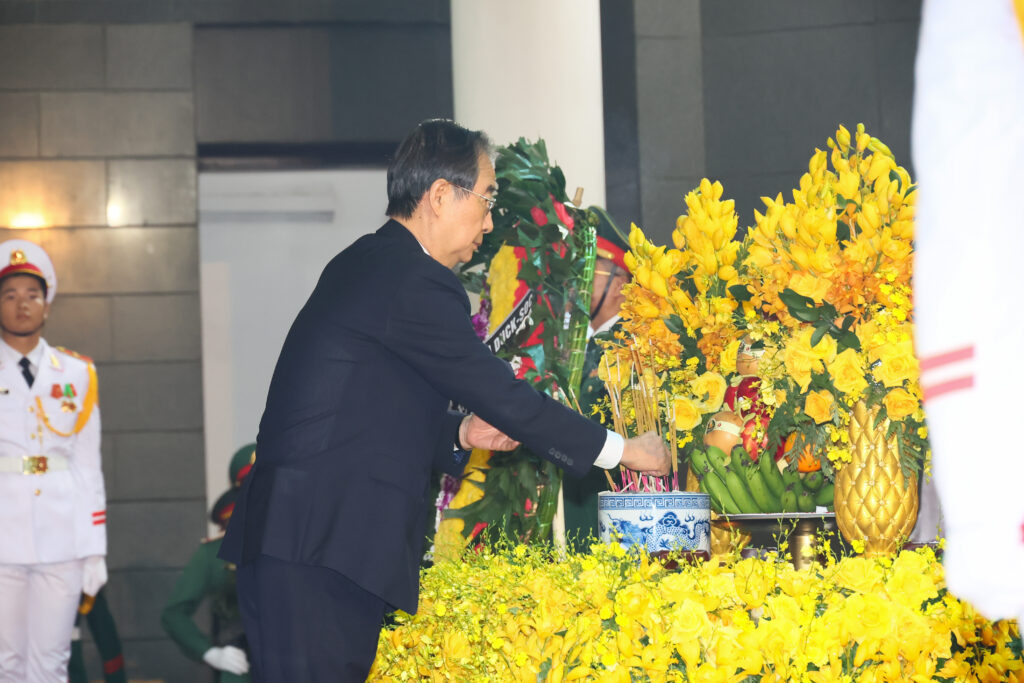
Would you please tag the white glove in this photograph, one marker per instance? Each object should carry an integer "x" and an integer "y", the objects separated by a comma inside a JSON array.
[
  {"x": 227, "y": 658},
  {"x": 94, "y": 574}
]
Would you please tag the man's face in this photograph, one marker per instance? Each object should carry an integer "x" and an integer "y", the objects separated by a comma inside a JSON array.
[
  {"x": 469, "y": 218},
  {"x": 608, "y": 282},
  {"x": 23, "y": 307}
]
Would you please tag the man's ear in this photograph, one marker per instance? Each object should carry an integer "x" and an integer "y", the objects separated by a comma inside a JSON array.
[{"x": 436, "y": 194}]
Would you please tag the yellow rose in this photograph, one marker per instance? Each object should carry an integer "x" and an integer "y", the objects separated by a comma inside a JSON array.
[
  {"x": 727, "y": 359},
  {"x": 686, "y": 413},
  {"x": 899, "y": 403},
  {"x": 898, "y": 363},
  {"x": 800, "y": 362},
  {"x": 818, "y": 406},
  {"x": 847, "y": 374},
  {"x": 809, "y": 285},
  {"x": 709, "y": 389},
  {"x": 859, "y": 573},
  {"x": 825, "y": 349}
]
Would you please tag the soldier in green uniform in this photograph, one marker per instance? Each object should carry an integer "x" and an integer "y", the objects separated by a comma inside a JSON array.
[
  {"x": 208, "y": 577},
  {"x": 104, "y": 633},
  {"x": 610, "y": 276}
]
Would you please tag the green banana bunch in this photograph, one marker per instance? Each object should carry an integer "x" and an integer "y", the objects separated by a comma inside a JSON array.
[
  {"x": 721, "y": 499},
  {"x": 826, "y": 496},
  {"x": 805, "y": 501},
  {"x": 759, "y": 490},
  {"x": 813, "y": 480},
  {"x": 736, "y": 483},
  {"x": 718, "y": 459},
  {"x": 699, "y": 463},
  {"x": 789, "y": 499},
  {"x": 712, "y": 484},
  {"x": 771, "y": 475}
]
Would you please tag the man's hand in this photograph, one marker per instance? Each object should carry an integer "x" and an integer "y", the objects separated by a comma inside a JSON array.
[
  {"x": 227, "y": 658},
  {"x": 647, "y": 454},
  {"x": 475, "y": 433}
]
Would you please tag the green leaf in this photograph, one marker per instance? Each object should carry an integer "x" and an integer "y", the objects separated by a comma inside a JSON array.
[
  {"x": 895, "y": 177},
  {"x": 842, "y": 231},
  {"x": 800, "y": 307},
  {"x": 741, "y": 293},
  {"x": 819, "y": 333}
]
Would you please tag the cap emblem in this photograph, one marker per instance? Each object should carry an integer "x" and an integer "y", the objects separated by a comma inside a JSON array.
[{"x": 18, "y": 258}]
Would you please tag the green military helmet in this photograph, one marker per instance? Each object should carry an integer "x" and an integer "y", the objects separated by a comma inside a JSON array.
[
  {"x": 221, "y": 511},
  {"x": 241, "y": 463}
]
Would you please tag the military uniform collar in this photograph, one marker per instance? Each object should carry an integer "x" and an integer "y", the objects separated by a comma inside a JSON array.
[
  {"x": 605, "y": 326},
  {"x": 36, "y": 356}
]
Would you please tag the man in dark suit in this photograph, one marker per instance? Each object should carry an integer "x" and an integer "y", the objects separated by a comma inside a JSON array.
[{"x": 329, "y": 528}]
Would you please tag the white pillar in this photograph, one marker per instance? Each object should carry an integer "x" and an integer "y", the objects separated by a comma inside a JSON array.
[{"x": 532, "y": 68}]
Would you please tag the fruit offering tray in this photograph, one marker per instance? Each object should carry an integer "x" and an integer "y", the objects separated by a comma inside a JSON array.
[
  {"x": 767, "y": 530},
  {"x": 770, "y": 517}
]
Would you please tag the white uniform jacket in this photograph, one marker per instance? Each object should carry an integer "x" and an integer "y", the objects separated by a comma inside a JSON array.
[{"x": 60, "y": 514}]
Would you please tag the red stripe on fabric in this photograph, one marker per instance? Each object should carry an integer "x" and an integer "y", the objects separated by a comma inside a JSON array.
[
  {"x": 241, "y": 474},
  {"x": 940, "y": 359},
  {"x": 101, "y": 512},
  {"x": 97, "y": 522},
  {"x": 112, "y": 666},
  {"x": 941, "y": 388}
]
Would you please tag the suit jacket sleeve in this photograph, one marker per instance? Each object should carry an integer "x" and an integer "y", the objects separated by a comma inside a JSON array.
[
  {"x": 446, "y": 458},
  {"x": 428, "y": 326}
]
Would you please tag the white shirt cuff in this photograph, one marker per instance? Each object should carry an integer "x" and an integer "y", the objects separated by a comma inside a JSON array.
[{"x": 611, "y": 452}]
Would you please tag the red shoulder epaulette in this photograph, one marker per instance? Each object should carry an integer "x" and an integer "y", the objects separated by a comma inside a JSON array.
[{"x": 75, "y": 354}]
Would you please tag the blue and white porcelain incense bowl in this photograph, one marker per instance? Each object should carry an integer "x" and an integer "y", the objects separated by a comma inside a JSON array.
[{"x": 671, "y": 520}]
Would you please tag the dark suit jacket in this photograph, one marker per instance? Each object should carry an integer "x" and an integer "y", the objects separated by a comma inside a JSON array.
[{"x": 357, "y": 416}]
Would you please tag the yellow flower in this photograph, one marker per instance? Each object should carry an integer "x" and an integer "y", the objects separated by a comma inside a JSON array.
[
  {"x": 818, "y": 405},
  {"x": 751, "y": 584},
  {"x": 859, "y": 574},
  {"x": 898, "y": 363},
  {"x": 502, "y": 279},
  {"x": 709, "y": 389},
  {"x": 456, "y": 646},
  {"x": 847, "y": 374},
  {"x": 686, "y": 413},
  {"x": 801, "y": 359},
  {"x": 899, "y": 403},
  {"x": 727, "y": 359},
  {"x": 614, "y": 369},
  {"x": 848, "y": 183},
  {"x": 810, "y": 285}
]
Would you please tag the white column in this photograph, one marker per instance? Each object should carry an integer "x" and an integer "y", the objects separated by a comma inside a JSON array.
[{"x": 532, "y": 68}]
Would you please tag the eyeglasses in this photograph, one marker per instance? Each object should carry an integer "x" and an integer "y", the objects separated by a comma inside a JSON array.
[{"x": 489, "y": 200}]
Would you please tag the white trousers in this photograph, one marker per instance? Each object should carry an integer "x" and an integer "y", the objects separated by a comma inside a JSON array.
[{"x": 37, "y": 613}]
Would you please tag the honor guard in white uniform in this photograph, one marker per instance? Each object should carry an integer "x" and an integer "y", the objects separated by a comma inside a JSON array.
[{"x": 53, "y": 539}]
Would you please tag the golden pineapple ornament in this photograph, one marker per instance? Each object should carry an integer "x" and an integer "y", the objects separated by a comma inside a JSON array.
[{"x": 874, "y": 502}]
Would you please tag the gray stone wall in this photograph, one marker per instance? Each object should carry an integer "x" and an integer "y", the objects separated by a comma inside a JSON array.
[
  {"x": 743, "y": 91},
  {"x": 97, "y": 136}
]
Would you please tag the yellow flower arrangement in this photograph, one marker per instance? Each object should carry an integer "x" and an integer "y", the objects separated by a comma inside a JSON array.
[
  {"x": 818, "y": 288},
  {"x": 833, "y": 268},
  {"x": 522, "y": 614},
  {"x": 680, "y": 320}
]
